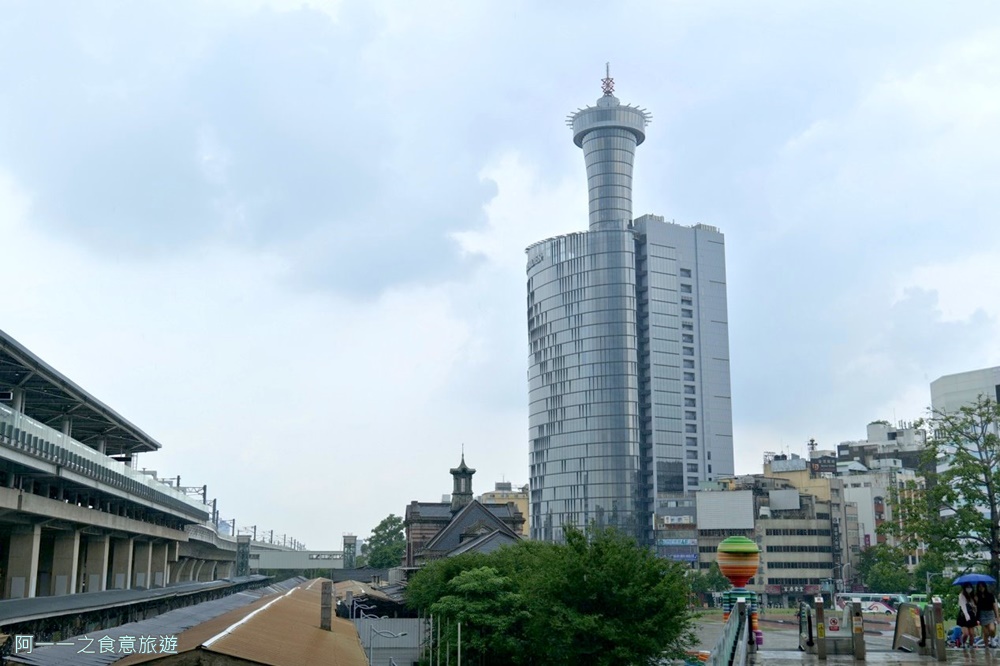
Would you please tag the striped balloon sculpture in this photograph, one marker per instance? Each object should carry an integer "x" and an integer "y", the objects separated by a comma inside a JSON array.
[{"x": 738, "y": 558}]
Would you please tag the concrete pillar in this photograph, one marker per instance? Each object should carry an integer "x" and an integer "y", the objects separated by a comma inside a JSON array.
[
  {"x": 121, "y": 564},
  {"x": 207, "y": 572},
  {"x": 224, "y": 570},
  {"x": 326, "y": 605},
  {"x": 857, "y": 631},
  {"x": 142, "y": 564},
  {"x": 65, "y": 560},
  {"x": 67, "y": 426},
  {"x": 820, "y": 628},
  {"x": 159, "y": 568},
  {"x": 95, "y": 578},
  {"x": 22, "y": 562},
  {"x": 177, "y": 570},
  {"x": 196, "y": 571}
]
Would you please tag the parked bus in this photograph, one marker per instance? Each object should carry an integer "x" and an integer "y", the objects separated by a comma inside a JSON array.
[{"x": 871, "y": 602}]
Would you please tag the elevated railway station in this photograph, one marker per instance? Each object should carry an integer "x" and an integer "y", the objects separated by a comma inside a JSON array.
[{"x": 75, "y": 515}]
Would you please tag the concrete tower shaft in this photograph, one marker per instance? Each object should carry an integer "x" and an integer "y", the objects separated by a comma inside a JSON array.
[{"x": 608, "y": 134}]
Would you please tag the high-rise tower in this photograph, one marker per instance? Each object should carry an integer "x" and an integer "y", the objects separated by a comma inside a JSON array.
[{"x": 629, "y": 354}]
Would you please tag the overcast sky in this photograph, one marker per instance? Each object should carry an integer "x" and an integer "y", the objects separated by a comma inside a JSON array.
[{"x": 287, "y": 239}]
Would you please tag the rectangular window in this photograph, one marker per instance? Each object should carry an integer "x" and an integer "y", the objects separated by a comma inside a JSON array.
[
  {"x": 688, "y": 363},
  {"x": 692, "y": 481},
  {"x": 687, "y": 337},
  {"x": 689, "y": 390},
  {"x": 685, "y": 272},
  {"x": 688, "y": 314},
  {"x": 687, "y": 326},
  {"x": 687, "y": 301},
  {"x": 689, "y": 376},
  {"x": 685, "y": 289},
  {"x": 690, "y": 427},
  {"x": 692, "y": 455},
  {"x": 690, "y": 402},
  {"x": 709, "y": 469},
  {"x": 689, "y": 351},
  {"x": 692, "y": 441},
  {"x": 690, "y": 416},
  {"x": 693, "y": 467}
]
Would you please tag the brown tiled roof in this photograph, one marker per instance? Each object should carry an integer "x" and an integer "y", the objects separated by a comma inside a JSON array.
[{"x": 280, "y": 630}]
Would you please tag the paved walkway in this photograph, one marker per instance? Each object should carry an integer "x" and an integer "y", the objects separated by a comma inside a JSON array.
[{"x": 781, "y": 644}]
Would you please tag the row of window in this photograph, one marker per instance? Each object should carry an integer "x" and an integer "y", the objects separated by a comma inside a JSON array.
[
  {"x": 801, "y": 532},
  {"x": 798, "y": 565}
]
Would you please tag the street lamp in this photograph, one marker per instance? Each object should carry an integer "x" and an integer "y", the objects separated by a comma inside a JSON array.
[
  {"x": 929, "y": 574},
  {"x": 365, "y": 616},
  {"x": 371, "y": 640},
  {"x": 842, "y": 577},
  {"x": 355, "y": 604}
]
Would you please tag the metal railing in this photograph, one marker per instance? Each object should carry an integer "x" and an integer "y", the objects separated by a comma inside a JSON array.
[
  {"x": 731, "y": 648},
  {"x": 48, "y": 446}
]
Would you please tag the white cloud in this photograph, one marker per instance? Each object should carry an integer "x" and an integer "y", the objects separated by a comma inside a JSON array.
[
  {"x": 525, "y": 210},
  {"x": 911, "y": 148},
  {"x": 290, "y": 245},
  {"x": 963, "y": 284}
]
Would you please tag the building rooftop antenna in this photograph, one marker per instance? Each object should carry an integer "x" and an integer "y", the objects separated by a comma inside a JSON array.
[{"x": 607, "y": 83}]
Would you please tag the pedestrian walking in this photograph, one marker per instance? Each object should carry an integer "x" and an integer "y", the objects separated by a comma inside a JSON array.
[
  {"x": 986, "y": 602},
  {"x": 968, "y": 615}
]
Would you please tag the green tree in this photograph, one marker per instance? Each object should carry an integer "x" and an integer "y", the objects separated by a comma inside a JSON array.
[
  {"x": 597, "y": 600},
  {"x": 957, "y": 514},
  {"x": 883, "y": 569},
  {"x": 704, "y": 583},
  {"x": 492, "y": 614},
  {"x": 387, "y": 544}
]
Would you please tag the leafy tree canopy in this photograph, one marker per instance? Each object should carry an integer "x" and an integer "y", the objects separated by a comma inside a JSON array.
[
  {"x": 706, "y": 582},
  {"x": 883, "y": 569},
  {"x": 599, "y": 599},
  {"x": 387, "y": 544},
  {"x": 957, "y": 515}
]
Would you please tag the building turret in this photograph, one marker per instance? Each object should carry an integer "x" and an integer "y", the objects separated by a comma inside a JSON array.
[{"x": 461, "y": 494}]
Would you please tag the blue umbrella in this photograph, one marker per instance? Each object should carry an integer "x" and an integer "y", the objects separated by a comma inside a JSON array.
[{"x": 974, "y": 578}]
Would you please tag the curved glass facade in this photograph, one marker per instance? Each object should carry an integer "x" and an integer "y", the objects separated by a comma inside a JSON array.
[{"x": 584, "y": 384}]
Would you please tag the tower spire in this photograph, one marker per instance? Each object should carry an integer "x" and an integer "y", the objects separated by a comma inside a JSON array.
[{"x": 607, "y": 83}]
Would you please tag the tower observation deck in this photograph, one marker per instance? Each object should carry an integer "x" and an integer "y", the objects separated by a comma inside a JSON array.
[{"x": 608, "y": 134}]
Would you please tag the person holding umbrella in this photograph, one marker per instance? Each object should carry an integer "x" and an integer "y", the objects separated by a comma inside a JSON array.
[{"x": 968, "y": 614}]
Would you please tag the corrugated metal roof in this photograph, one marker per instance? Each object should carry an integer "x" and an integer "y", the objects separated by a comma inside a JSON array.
[
  {"x": 287, "y": 633},
  {"x": 22, "y": 610},
  {"x": 171, "y": 623},
  {"x": 279, "y": 630},
  {"x": 358, "y": 589}
]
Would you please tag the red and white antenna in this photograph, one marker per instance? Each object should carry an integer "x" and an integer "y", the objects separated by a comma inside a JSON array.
[{"x": 607, "y": 83}]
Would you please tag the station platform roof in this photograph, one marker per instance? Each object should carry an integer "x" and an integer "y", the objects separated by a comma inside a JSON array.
[{"x": 50, "y": 397}]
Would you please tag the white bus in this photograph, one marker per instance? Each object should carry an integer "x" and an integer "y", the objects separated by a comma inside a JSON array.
[{"x": 871, "y": 602}]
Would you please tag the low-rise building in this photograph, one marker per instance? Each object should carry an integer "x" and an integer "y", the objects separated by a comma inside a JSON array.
[
  {"x": 503, "y": 492},
  {"x": 463, "y": 524}
]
